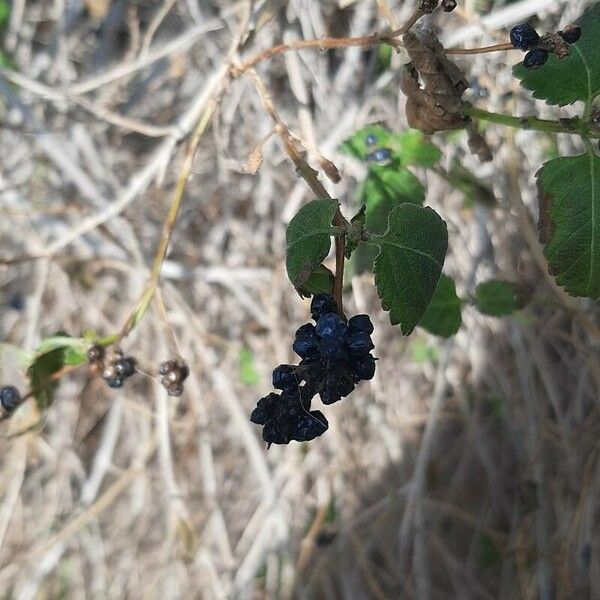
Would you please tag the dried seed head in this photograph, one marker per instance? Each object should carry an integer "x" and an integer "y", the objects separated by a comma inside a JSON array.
[{"x": 96, "y": 353}]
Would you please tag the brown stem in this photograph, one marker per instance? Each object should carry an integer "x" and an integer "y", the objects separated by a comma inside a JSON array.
[
  {"x": 483, "y": 50},
  {"x": 388, "y": 37}
]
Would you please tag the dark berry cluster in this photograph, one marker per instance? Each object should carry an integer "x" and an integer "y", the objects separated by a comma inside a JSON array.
[
  {"x": 10, "y": 398},
  {"x": 173, "y": 374},
  {"x": 335, "y": 357},
  {"x": 115, "y": 369},
  {"x": 377, "y": 155},
  {"x": 524, "y": 37}
]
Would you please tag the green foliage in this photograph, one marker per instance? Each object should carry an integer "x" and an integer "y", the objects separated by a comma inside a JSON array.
[
  {"x": 498, "y": 298},
  {"x": 52, "y": 354},
  {"x": 320, "y": 281},
  {"x": 308, "y": 239},
  {"x": 576, "y": 77},
  {"x": 569, "y": 223},
  {"x": 384, "y": 57},
  {"x": 4, "y": 13},
  {"x": 409, "y": 263},
  {"x": 410, "y": 147},
  {"x": 248, "y": 373},
  {"x": 443, "y": 315},
  {"x": 423, "y": 353}
]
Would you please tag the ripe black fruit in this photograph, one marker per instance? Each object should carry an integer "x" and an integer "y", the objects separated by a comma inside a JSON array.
[
  {"x": 535, "y": 58},
  {"x": 335, "y": 357},
  {"x": 571, "y": 34},
  {"x": 448, "y": 5},
  {"x": 524, "y": 36},
  {"x": 10, "y": 397}
]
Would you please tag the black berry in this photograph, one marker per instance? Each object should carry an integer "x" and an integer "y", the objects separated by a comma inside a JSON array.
[
  {"x": 360, "y": 323},
  {"x": 321, "y": 304},
  {"x": 125, "y": 367},
  {"x": 524, "y": 36},
  {"x": 285, "y": 378},
  {"x": 448, "y": 5},
  {"x": 335, "y": 357},
  {"x": 535, "y": 58},
  {"x": 331, "y": 326},
  {"x": 174, "y": 373},
  {"x": 371, "y": 140},
  {"x": 381, "y": 155},
  {"x": 10, "y": 397},
  {"x": 571, "y": 34}
]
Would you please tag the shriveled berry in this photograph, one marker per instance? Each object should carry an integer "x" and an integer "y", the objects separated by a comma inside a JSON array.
[
  {"x": 285, "y": 378},
  {"x": 175, "y": 389},
  {"x": 333, "y": 348},
  {"x": 276, "y": 432},
  {"x": 264, "y": 408},
  {"x": 125, "y": 367},
  {"x": 310, "y": 425},
  {"x": 571, "y": 34},
  {"x": 10, "y": 397},
  {"x": 524, "y": 36},
  {"x": 115, "y": 382},
  {"x": 306, "y": 344},
  {"x": 96, "y": 353},
  {"x": 331, "y": 325},
  {"x": 448, "y": 5},
  {"x": 322, "y": 304},
  {"x": 166, "y": 366},
  {"x": 359, "y": 342},
  {"x": 535, "y": 58},
  {"x": 364, "y": 368},
  {"x": 381, "y": 155},
  {"x": 360, "y": 323}
]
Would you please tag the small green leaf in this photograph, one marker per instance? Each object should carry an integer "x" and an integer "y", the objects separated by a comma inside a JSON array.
[
  {"x": 357, "y": 145},
  {"x": 409, "y": 147},
  {"x": 414, "y": 149},
  {"x": 384, "y": 189},
  {"x": 498, "y": 298},
  {"x": 443, "y": 315},
  {"x": 409, "y": 263},
  {"x": 356, "y": 232},
  {"x": 569, "y": 223},
  {"x": 75, "y": 356},
  {"x": 248, "y": 373},
  {"x": 308, "y": 239},
  {"x": 576, "y": 77},
  {"x": 320, "y": 281},
  {"x": 4, "y": 13},
  {"x": 384, "y": 57},
  {"x": 42, "y": 368}
]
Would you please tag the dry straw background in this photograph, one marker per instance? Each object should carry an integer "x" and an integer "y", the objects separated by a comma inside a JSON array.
[{"x": 468, "y": 469}]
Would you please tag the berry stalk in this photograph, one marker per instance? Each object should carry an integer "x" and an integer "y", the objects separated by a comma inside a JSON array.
[{"x": 573, "y": 126}]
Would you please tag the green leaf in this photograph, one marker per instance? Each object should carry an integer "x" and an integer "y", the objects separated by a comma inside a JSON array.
[
  {"x": 384, "y": 188},
  {"x": 4, "y": 13},
  {"x": 248, "y": 373},
  {"x": 410, "y": 147},
  {"x": 443, "y": 315},
  {"x": 569, "y": 223},
  {"x": 576, "y": 77},
  {"x": 42, "y": 368},
  {"x": 308, "y": 239},
  {"x": 409, "y": 263},
  {"x": 384, "y": 57},
  {"x": 414, "y": 149},
  {"x": 320, "y": 281},
  {"x": 498, "y": 298}
]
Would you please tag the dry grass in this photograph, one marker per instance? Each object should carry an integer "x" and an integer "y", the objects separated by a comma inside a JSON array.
[{"x": 473, "y": 473}]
